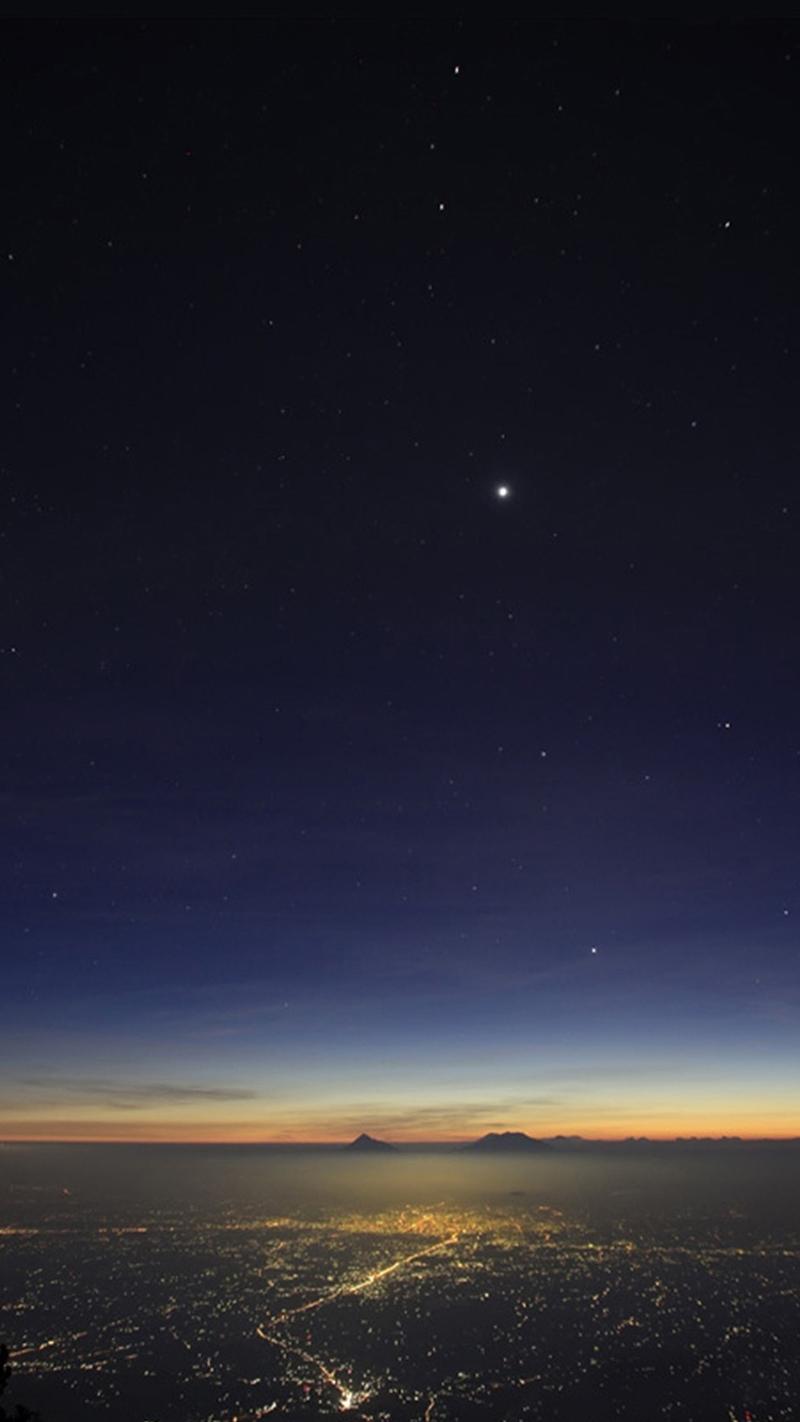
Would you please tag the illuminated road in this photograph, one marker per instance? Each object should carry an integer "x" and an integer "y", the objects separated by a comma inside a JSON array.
[
  {"x": 365, "y": 1283},
  {"x": 348, "y": 1397}
]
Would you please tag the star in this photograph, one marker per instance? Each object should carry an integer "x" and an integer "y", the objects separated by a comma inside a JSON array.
[{"x": 502, "y": 491}]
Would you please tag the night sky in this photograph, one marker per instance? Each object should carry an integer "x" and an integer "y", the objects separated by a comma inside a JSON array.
[{"x": 341, "y": 790}]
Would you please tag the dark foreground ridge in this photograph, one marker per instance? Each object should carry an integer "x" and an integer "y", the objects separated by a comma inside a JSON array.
[
  {"x": 515, "y": 1142},
  {"x": 20, "y": 1413},
  {"x": 368, "y": 1143}
]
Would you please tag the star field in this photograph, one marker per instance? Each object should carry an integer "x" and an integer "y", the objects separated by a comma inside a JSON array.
[{"x": 398, "y": 660}]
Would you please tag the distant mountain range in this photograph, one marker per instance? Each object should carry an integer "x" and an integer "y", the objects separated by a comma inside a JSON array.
[
  {"x": 518, "y": 1143},
  {"x": 509, "y": 1142}
]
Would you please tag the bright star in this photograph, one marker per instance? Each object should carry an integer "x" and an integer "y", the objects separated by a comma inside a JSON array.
[{"x": 502, "y": 491}]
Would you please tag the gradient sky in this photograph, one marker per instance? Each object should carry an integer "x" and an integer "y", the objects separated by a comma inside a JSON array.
[{"x": 340, "y": 792}]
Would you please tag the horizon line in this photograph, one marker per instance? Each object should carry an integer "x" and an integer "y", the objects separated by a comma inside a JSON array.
[{"x": 448, "y": 1142}]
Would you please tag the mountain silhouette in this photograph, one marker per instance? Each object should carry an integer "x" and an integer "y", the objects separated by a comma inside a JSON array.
[
  {"x": 508, "y": 1142},
  {"x": 368, "y": 1143}
]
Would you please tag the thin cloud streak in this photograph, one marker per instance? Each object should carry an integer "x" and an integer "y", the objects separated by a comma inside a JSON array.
[{"x": 128, "y": 1095}]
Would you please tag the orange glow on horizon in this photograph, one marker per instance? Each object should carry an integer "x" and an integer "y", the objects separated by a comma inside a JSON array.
[
  {"x": 195, "y": 1140},
  {"x": 755, "y": 1125},
  {"x": 337, "y": 1116}
]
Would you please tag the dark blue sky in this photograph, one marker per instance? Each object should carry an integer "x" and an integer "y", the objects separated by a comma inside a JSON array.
[{"x": 336, "y": 786}]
